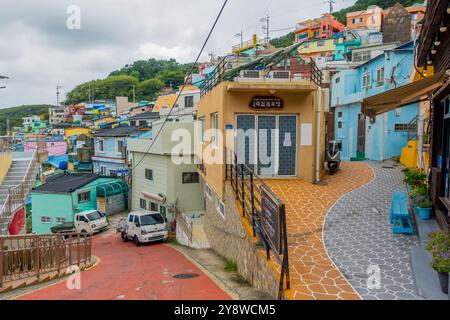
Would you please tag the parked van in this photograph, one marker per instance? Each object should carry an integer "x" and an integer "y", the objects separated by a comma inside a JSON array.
[
  {"x": 86, "y": 222},
  {"x": 144, "y": 227}
]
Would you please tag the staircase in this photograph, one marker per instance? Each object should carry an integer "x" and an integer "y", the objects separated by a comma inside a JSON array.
[{"x": 16, "y": 187}]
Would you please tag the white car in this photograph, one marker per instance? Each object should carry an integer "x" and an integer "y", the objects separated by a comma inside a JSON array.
[
  {"x": 144, "y": 227},
  {"x": 90, "y": 222}
]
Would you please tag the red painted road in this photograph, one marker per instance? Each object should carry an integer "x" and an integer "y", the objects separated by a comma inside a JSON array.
[{"x": 139, "y": 273}]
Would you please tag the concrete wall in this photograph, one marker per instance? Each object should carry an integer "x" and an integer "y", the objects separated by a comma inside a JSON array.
[
  {"x": 5, "y": 163},
  {"x": 50, "y": 205},
  {"x": 229, "y": 237}
]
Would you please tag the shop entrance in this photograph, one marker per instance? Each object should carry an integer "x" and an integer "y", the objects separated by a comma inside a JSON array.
[{"x": 267, "y": 143}]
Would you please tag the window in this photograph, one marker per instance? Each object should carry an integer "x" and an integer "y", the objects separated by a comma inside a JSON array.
[
  {"x": 60, "y": 220},
  {"x": 215, "y": 128},
  {"x": 208, "y": 191},
  {"x": 366, "y": 80},
  {"x": 340, "y": 124},
  {"x": 162, "y": 210},
  {"x": 103, "y": 170},
  {"x": 143, "y": 204},
  {"x": 338, "y": 80},
  {"x": 84, "y": 196},
  {"x": 320, "y": 43},
  {"x": 202, "y": 130},
  {"x": 153, "y": 206},
  {"x": 101, "y": 145},
  {"x": 131, "y": 217},
  {"x": 148, "y": 174},
  {"x": 340, "y": 114},
  {"x": 361, "y": 56},
  {"x": 190, "y": 177},
  {"x": 113, "y": 173},
  {"x": 404, "y": 127},
  {"x": 380, "y": 75},
  {"x": 120, "y": 146},
  {"x": 189, "y": 102},
  {"x": 220, "y": 206},
  {"x": 357, "y": 20},
  {"x": 46, "y": 220}
]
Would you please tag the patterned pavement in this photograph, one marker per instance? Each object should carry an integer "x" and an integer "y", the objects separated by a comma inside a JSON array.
[
  {"x": 358, "y": 234},
  {"x": 313, "y": 274}
]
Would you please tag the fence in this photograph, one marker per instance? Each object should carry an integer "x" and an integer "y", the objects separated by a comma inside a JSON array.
[
  {"x": 252, "y": 193},
  {"x": 27, "y": 256},
  {"x": 18, "y": 195},
  {"x": 185, "y": 225}
]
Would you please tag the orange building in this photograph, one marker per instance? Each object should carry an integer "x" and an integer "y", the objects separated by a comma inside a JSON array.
[
  {"x": 325, "y": 27},
  {"x": 371, "y": 18}
]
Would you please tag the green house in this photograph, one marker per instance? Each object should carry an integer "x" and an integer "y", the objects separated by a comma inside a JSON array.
[{"x": 63, "y": 195}]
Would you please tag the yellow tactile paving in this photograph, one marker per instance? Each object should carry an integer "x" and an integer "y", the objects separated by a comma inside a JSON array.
[{"x": 313, "y": 275}]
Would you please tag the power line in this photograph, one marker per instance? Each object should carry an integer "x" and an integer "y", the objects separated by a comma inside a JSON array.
[{"x": 182, "y": 88}]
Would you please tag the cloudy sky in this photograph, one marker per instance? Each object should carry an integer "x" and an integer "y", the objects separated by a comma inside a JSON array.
[{"x": 38, "y": 50}]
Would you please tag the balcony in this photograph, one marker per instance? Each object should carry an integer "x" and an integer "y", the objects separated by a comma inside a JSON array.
[{"x": 247, "y": 45}]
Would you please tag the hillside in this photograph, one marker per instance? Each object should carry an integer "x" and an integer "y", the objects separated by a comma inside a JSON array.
[
  {"x": 341, "y": 15},
  {"x": 147, "y": 77},
  {"x": 15, "y": 115}
]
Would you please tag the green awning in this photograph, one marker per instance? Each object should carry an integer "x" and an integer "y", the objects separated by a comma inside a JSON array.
[{"x": 112, "y": 188}]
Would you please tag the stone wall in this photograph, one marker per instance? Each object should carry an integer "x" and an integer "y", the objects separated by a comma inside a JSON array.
[{"x": 229, "y": 237}]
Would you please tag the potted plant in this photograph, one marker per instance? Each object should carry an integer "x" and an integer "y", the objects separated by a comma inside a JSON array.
[
  {"x": 419, "y": 192},
  {"x": 439, "y": 246},
  {"x": 424, "y": 208}
]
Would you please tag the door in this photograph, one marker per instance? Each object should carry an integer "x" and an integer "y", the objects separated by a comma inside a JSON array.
[
  {"x": 246, "y": 139},
  {"x": 287, "y": 145},
  {"x": 266, "y": 145},
  {"x": 130, "y": 226},
  {"x": 361, "y": 146}
]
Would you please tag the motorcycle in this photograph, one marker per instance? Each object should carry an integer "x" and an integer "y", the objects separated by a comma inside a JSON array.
[{"x": 334, "y": 156}]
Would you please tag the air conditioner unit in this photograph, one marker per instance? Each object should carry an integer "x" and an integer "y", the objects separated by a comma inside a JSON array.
[
  {"x": 281, "y": 75},
  {"x": 250, "y": 74}
]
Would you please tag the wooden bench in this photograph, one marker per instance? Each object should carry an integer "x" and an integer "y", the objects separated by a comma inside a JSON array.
[{"x": 399, "y": 215}]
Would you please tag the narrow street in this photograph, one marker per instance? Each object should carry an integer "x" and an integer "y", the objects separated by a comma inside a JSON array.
[{"x": 127, "y": 272}]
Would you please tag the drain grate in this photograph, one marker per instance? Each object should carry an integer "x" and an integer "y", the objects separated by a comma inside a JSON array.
[{"x": 186, "y": 275}]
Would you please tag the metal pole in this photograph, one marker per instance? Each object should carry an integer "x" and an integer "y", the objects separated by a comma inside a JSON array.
[
  {"x": 253, "y": 202},
  {"x": 1, "y": 261},
  {"x": 243, "y": 190}
]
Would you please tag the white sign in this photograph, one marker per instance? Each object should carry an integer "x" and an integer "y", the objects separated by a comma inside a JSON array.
[{"x": 306, "y": 134}]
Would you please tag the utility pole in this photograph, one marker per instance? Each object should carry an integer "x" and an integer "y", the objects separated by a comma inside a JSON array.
[
  {"x": 134, "y": 93},
  {"x": 266, "y": 27},
  {"x": 330, "y": 26},
  {"x": 89, "y": 91},
  {"x": 211, "y": 57},
  {"x": 57, "y": 94},
  {"x": 8, "y": 133}
]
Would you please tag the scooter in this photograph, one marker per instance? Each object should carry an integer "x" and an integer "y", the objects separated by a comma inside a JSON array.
[{"x": 334, "y": 156}]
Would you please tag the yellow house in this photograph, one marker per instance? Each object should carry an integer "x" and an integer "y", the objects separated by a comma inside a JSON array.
[
  {"x": 165, "y": 101},
  {"x": 72, "y": 131},
  {"x": 319, "y": 47},
  {"x": 277, "y": 128}
]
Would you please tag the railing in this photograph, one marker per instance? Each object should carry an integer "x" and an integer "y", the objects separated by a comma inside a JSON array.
[
  {"x": 247, "y": 44},
  {"x": 201, "y": 165},
  {"x": 412, "y": 129},
  {"x": 5, "y": 144},
  {"x": 184, "y": 224},
  {"x": 18, "y": 195},
  {"x": 310, "y": 70},
  {"x": 252, "y": 193},
  {"x": 27, "y": 256}
]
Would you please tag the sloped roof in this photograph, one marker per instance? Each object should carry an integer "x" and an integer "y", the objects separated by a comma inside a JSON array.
[
  {"x": 145, "y": 115},
  {"x": 119, "y": 131},
  {"x": 164, "y": 101},
  {"x": 66, "y": 182}
]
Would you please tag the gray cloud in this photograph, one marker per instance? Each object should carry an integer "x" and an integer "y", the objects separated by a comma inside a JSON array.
[{"x": 38, "y": 51}]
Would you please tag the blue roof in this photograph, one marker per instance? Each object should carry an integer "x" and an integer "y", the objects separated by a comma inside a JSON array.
[{"x": 56, "y": 160}]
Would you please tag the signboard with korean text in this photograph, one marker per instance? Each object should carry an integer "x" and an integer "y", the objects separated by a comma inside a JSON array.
[
  {"x": 266, "y": 102},
  {"x": 271, "y": 219}
]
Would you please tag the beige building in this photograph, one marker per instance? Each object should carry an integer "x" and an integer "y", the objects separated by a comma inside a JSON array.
[
  {"x": 276, "y": 127},
  {"x": 166, "y": 175}
]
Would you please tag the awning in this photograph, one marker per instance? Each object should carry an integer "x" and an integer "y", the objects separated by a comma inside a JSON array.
[{"x": 401, "y": 96}]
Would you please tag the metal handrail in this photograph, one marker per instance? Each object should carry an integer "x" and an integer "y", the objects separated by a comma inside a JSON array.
[
  {"x": 17, "y": 195},
  {"x": 26, "y": 256},
  {"x": 247, "y": 187},
  {"x": 183, "y": 222}
]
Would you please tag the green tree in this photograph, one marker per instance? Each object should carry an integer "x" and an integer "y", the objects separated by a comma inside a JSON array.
[{"x": 147, "y": 89}]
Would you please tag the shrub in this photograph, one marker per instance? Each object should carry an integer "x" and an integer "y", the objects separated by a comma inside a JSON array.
[
  {"x": 424, "y": 203},
  {"x": 419, "y": 191},
  {"x": 439, "y": 246},
  {"x": 230, "y": 266},
  {"x": 414, "y": 177}
]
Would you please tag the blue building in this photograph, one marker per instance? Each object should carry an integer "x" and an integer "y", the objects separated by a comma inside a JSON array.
[
  {"x": 110, "y": 153},
  {"x": 362, "y": 138}
]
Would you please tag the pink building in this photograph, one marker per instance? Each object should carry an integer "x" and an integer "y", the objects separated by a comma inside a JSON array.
[{"x": 54, "y": 148}]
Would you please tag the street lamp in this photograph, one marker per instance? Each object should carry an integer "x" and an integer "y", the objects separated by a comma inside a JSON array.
[
  {"x": 241, "y": 35},
  {"x": 266, "y": 26},
  {"x": 4, "y": 79}
]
